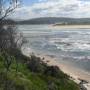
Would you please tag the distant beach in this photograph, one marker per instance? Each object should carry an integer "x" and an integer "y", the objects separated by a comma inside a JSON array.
[{"x": 72, "y": 26}]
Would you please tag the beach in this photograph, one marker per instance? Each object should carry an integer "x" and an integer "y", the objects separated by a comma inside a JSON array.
[{"x": 72, "y": 26}]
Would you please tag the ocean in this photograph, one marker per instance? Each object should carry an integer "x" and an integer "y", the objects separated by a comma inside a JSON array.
[{"x": 67, "y": 45}]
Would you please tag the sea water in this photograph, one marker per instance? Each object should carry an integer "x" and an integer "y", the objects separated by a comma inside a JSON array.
[{"x": 69, "y": 45}]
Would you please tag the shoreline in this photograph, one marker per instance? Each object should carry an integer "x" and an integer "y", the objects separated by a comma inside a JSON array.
[
  {"x": 72, "y": 26},
  {"x": 77, "y": 75}
]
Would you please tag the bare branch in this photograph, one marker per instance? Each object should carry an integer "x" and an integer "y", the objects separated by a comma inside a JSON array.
[{"x": 13, "y": 4}]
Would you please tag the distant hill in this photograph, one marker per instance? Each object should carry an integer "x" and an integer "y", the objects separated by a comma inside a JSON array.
[{"x": 56, "y": 20}]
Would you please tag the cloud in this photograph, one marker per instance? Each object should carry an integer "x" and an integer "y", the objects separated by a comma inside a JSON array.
[
  {"x": 54, "y": 8},
  {"x": 85, "y": 0}
]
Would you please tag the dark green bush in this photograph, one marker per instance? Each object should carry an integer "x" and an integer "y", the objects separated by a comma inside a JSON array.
[
  {"x": 54, "y": 71},
  {"x": 36, "y": 65}
]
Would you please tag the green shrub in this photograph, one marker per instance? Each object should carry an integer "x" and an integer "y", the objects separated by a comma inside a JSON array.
[
  {"x": 54, "y": 71},
  {"x": 36, "y": 65}
]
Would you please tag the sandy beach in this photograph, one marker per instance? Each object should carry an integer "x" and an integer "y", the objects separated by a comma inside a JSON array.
[{"x": 72, "y": 26}]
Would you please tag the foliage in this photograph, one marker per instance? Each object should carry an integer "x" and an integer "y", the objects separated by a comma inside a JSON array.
[
  {"x": 11, "y": 39},
  {"x": 35, "y": 64},
  {"x": 54, "y": 71}
]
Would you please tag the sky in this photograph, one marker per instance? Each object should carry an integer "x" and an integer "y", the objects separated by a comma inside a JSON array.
[{"x": 52, "y": 8}]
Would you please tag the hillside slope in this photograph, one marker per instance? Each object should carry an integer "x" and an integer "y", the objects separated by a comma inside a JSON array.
[
  {"x": 31, "y": 76},
  {"x": 54, "y": 20}
]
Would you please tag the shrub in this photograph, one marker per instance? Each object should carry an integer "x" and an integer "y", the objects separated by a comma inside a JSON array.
[
  {"x": 36, "y": 65},
  {"x": 52, "y": 71}
]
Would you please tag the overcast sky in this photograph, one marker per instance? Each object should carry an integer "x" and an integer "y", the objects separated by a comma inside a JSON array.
[{"x": 53, "y": 8}]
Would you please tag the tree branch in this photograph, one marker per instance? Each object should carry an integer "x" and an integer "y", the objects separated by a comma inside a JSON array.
[{"x": 9, "y": 10}]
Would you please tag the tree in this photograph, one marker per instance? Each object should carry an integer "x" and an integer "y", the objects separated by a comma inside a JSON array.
[
  {"x": 6, "y": 7},
  {"x": 10, "y": 39},
  {"x": 7, "y": 34}
]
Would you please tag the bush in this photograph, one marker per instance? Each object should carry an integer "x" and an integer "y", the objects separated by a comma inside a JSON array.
[
  {"x": 52, "y": 71},
  {"x": 36, "y": 65}
]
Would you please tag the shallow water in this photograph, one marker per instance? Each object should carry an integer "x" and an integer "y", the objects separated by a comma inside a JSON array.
[{"x": 70, "y": 45}]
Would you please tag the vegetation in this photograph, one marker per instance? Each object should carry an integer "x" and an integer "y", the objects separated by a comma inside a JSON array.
[{"x": 43, "y": 77}]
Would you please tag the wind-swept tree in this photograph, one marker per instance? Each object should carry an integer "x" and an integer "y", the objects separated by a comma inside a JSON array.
[{"x": 9, "y": 37}]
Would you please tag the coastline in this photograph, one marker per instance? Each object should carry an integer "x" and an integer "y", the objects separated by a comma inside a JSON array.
[
  {"x": 72, "y": 26},
  {"x": 77, "y": 75}
]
